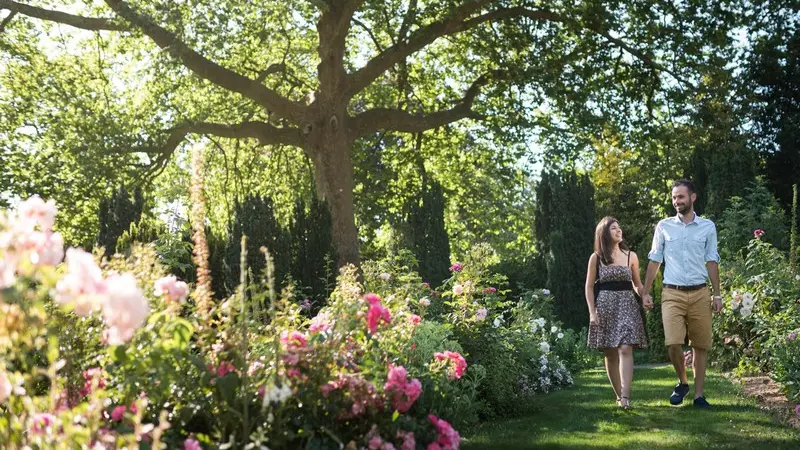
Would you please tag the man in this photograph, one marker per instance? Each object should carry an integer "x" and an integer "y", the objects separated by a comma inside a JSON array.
[{"x": 687, "y": 245}]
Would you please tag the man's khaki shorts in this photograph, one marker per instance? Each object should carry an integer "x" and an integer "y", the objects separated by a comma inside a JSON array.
[{"x": 683, "y": 311}]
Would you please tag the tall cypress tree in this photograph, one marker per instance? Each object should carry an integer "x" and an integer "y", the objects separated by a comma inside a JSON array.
[
  {"x": 255, "y": 218},
  {"x": 565, "y": 229},
  {"x": 313, "y": 255},
  {"x": 427, "y": 235},
  {"x": 116, "y": 214}
]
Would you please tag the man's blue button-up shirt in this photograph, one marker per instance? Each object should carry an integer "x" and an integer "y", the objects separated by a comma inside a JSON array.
[{"x": 684, "y": 249}]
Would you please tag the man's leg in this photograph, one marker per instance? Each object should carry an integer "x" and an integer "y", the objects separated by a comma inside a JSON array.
[
  {"x": 700, "y": 338},
  {"x": 699, "y": 370},
  {"x": 673, "y": 315},
  {"x": 678, "y": 362}
]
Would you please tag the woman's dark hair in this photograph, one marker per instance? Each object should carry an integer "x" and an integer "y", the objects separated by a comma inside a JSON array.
[{"x": 603, "y": 245}]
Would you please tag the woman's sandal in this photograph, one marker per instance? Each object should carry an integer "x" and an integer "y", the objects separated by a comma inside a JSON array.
[{"x": 624, "y": 402}]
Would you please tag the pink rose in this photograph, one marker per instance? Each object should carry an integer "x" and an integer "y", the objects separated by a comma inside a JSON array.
[
  {"x": 372, "y": 299},
  {"x": 294, "y": 340},
  {"x": 44, "y": 248},
  {"x": 321, "y": 323},
  {"x": 375, "y": 443},
  {"x": 88, "y": 376},
  {"x": 225, "y": 368},
  {"x": 409, "y": 443},
  {"x": 447, "y": 437},
  {"x": 457, "y": 267},
  {"x": 125, "y": 309},
  {"x": 415, "y": 319},
  {"x": 43, "y": 423},
  {"x": 118, "y": 413},
  {"x": 37, "y": 211},
  {"x": 83, "y": 284},
  {"x": 377, "y": 313},
  {"x": 758, "y": 233},
  {"x": 5, "y": 387},
  {"x": 171, "y": 288},
  {"x": 489, "y": 290},
  {"x": 191, "y": 444}
]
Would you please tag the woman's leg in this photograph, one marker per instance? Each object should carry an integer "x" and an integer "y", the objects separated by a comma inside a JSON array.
[
  {"x": 611, "y": 357},
  {"x": 625, "y": 370}
]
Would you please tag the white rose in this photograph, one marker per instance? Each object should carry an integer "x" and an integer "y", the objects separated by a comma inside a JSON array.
[
  {"x": 458, "y": 289},
  {"x": 544, "y": 347},
  {"x": 553, "y": 329},
  {"x": 560, "y": 335},
  {"x": 546, "y": 291},
  {"x": 5, "y": 387}
]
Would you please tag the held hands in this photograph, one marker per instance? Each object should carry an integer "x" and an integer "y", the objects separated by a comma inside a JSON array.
[{"x": 647, "y": 302}]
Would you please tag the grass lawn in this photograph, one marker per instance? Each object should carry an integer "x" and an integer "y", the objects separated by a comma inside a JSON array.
[{"x": 586, "y": 416}]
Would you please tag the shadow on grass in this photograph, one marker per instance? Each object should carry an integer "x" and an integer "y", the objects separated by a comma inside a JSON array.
[{"x": 586, "y": 416}]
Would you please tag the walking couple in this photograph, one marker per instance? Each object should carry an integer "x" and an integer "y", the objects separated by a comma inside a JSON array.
[{"x": 687, "y": 245}]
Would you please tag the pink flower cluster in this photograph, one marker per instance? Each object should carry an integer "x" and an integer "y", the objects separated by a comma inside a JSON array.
[
  {"x": 118, "y": 413},
  {"x": 489, "y": 290},
  {"x": 43, "y": 423},
  {"x": 403, "y": 392},
  {"x": 457, "y": 267},
  {"x": 224, "y": 368},
  {"x": 359, "y": 391},
  {"x": 447, "y": 438},
  {"x": 321, "y": 323},
  {"x": 377, "y": 313},
  {"x": 171, "y": 289},
  {"x": 296, "y": 345},
  {"x": 191, "y": 444},
  {"x": 88, "y": 376},
  {"x": 758, "y": 233},
  {"x": 27, "y": 240},
  {"x": 457, "y": 363},
  {"x": 294, "y": 340},
  {"x": 376, "y": 442}
]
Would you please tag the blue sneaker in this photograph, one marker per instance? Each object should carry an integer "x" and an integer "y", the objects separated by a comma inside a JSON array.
[
  {"x": 700, "y": 402},
  {"x": 678, "y": 393}
]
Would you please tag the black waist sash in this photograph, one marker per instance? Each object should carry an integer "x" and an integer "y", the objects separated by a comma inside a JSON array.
[{"x": 615, "y": 286}]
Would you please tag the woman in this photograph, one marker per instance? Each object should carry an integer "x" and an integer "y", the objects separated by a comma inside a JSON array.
[{"x": 615, "y": 324}]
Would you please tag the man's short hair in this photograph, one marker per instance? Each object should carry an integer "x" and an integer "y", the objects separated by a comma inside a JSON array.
[{"x": 688, "y": 183}]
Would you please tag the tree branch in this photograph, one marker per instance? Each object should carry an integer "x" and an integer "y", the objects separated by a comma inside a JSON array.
[
  {"x": 86, "y": 23},
  {"x": 370, "y": 33},
  {"x": 265, "y": 133},
  {"x": 7, "y": 20},
  {"x": 333, "y": 27},
  {"x": 209, "y": 70},
  {"x": 398, "y": 120},
  {"x": 428, "y": 34},
  {"x": 458, "y": 23}
]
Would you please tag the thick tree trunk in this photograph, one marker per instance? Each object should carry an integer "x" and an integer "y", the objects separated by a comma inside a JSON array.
[{"x": 333, "y": 172}]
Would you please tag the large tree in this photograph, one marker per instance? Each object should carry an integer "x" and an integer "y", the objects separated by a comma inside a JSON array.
[{"x": 320, "y": 75}]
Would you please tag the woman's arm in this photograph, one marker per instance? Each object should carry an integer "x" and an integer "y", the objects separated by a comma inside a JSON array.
[
  {"x": 636, "y": 277},
  {"x": 588, "y": 289}
]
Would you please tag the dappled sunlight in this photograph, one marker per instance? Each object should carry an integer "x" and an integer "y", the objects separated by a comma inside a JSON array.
[{"x": 585, "y": 416}]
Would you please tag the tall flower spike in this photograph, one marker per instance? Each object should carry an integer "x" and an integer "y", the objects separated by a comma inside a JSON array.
[{"x": 202, "y": 292}]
